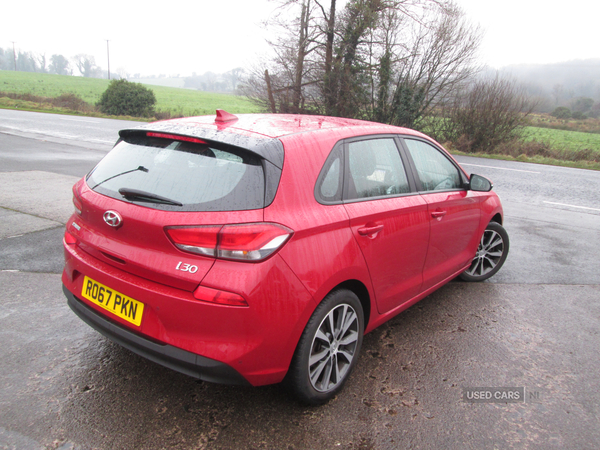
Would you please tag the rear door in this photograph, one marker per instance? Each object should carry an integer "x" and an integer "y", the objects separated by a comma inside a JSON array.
[
  {"x": 388, "y": 219},
  {"x": 454, "y": 212}
]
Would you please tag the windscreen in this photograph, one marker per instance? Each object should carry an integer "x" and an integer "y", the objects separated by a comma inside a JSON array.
[{"x": 180, "y": 175}]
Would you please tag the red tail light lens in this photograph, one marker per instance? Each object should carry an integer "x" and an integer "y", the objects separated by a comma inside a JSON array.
[
  {"x": 252, "y": 242},
  {"x": 245, "y": 242},
  {"x": 201, "y": 240}
]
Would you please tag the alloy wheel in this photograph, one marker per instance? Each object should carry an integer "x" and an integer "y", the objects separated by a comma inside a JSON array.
[{"x": 333, "y": 348}]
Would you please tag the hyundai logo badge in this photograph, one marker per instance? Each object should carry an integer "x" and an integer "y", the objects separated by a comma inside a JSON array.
[{"x": 113, "y": 219}]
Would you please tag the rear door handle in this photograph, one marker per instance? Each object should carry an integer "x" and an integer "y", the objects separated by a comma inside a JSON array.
[
  {"x": 438, "y": 214},
  {"x": 370, "y": 231}
]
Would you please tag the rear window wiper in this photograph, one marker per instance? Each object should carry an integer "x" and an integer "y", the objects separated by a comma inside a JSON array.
[
  {"x": 142, "y": 196},
  {"x": 140, "y": 168}
]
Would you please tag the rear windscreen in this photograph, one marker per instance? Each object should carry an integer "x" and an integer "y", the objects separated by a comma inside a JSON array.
[{"x": 178, "y": 175}]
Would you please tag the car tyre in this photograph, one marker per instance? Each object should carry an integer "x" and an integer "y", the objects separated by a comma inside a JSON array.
[
  {"x": 328, "y": 348},
  {"x": 491, "y": 254}
]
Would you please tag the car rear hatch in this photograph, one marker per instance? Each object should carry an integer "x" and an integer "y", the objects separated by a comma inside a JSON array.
[{"x": 159, "y": 203}]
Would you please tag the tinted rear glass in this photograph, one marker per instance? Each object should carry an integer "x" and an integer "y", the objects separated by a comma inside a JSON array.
[{"x": 178, "y": 175}]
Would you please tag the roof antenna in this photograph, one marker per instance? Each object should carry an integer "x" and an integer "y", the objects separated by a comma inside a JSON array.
[{"x": 224, "y": 116}]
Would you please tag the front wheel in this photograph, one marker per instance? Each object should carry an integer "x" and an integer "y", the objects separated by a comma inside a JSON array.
[
  {"x": 491, "y": 254},
  {"x": 328, "y": 349}
]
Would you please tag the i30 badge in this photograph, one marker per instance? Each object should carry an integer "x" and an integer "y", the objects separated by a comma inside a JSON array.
[{"x": 113, "y": 218}]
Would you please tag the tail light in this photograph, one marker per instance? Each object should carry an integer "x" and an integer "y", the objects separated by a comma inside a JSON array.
[{"x": 245, "y": 242}]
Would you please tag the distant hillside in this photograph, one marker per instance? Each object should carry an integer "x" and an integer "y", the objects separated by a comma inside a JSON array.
[{"x": 559, "y": 83}]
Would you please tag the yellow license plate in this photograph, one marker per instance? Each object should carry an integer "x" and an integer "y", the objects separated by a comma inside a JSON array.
[{"x": 118, "y": 304}]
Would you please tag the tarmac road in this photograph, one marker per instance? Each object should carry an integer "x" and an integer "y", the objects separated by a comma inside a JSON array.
[{"x": 534, "y": 325}]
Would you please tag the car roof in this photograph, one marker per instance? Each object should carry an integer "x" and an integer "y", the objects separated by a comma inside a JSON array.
[
  {"x": 261, "y": 133},
  {"x": 279, "y": 125}
]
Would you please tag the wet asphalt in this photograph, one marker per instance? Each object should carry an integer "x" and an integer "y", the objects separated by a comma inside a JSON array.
[{"x": 535, "y": 326}]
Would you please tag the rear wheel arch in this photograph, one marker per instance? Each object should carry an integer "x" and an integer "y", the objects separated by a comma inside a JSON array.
[
  {"x": 497, "y": 218},
  {"x": 361, "y": 291}
]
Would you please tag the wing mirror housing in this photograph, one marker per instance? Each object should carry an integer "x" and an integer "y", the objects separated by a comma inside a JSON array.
[{"x": 480, "y": 184}]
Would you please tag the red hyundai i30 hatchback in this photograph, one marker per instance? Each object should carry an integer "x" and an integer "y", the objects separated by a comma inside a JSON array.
[{"x": 258, "y": 248}]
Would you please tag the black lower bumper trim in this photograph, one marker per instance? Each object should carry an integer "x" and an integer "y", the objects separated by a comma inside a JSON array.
[{"x": 189, "y": 363}]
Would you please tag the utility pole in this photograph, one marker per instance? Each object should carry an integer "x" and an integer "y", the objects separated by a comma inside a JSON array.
[
  {"x": 108, "y": 57},
  {"x": 14, "y": 55}
]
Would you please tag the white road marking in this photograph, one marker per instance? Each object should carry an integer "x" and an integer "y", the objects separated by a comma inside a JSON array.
[
  {"x": 80, "y": 120},
  {"x": 573, "y": 206},
  {"x": 72, "y": 137},
  {"x": 499, "y": 168}
]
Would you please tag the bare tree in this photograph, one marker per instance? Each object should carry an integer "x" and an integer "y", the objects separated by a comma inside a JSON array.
[
  {"x": 388, "y": 60},
  {"x": 484, "y": 115},
  {"x": 283, "y": 84},
  {"x": 86, "y": 64},
  {"x": 436, "y": 59},
  {"x": 41, "y": 62}
]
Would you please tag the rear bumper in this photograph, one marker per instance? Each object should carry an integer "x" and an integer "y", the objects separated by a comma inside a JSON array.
[{"x": 189, "y": 363}]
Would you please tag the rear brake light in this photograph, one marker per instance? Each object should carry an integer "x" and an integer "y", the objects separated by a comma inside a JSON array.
[
  {"x": 245, "y": 242},
  {"x": 175, "y": 137}
]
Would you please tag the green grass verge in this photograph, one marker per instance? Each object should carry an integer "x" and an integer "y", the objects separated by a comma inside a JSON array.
[
  {"x": 573, "y": 140},
  {"x": 178, "y": 102}
]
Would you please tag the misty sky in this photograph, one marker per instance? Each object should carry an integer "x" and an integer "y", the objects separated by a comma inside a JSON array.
[{"x": 180, "y": 37}]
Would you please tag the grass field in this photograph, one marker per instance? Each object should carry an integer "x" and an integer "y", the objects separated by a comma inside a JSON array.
[
  {"x": 573, "y": 140},
  {"x": 182, "y": 102}
]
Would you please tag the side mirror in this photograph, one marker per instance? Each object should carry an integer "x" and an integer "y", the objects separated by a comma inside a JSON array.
[{"x": 480, "y": 184}]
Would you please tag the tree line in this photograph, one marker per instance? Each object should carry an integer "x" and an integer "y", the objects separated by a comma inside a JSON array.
[
  {"x": 85, "y": 65},
  {"x": 21, "y": 61}
]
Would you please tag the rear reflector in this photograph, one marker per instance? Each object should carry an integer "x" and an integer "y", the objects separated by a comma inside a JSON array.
[
  {"x": 210, "y": 295},
  {"x": 244, "y": 242},
  {"x": 70, "y": 239}
]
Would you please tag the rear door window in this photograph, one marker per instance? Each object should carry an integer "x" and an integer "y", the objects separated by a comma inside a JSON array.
[{"x": 181, "y": 175}]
